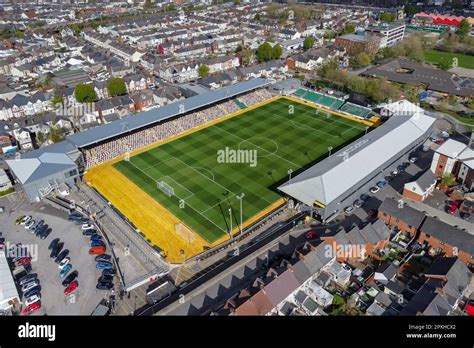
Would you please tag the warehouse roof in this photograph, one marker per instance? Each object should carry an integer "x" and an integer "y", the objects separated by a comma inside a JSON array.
[
  {"x": 334, "y": 176},
  {"x": 134, "y": 122}
]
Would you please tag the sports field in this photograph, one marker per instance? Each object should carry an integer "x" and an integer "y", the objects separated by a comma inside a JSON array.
[{"x": 199, "y": 177}]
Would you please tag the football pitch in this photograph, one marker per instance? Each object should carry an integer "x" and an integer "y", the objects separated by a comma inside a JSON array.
[{"x": 200, "y": 177}]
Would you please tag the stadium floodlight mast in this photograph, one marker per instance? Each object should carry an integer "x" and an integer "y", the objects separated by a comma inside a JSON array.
[
  {"x": 230, "y": 217},
  {"x": 240, "y": 198},
  {"x": 289, "y": 173}
]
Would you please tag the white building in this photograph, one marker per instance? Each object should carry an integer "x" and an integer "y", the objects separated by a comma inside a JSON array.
[
  {"x": 391, "y": 33},
  {"x": 8, "y": 292}
]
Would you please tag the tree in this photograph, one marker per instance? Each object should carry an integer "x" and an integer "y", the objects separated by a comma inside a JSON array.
[
  {"x": 362, "y": 59},
  {"x": 85, "y": 93},
  {"x": 203, "y": 70},
  {"x": 40, "y": 137},
  {"x": 388, "y": 17},
  {"x": 116, "y": 86},
  {"x": 464, "y": 28},
  {"x": 277, "y": 51},
  {"x": 237, "y": 2},
  {"x": 445, "y": 65},
  {"x": 57, "y": 100},
  {"x": 470, "y": 104},
  {"x": 246, "y": 56},
  {"x": 410, "y": 10},
  {"x": 56, "y": 134},
  {"x": 349, "y": 28},
  {"x": 356, "y": 84},
  {"x": 148, "y": 5},
  {"x": 308, "y": 43},
  {"x": 264, "y": 52},
  {"x": 257, "y": 17},
  {"x": 327, "y": 69},
  {"x": 414, "y": 47}
]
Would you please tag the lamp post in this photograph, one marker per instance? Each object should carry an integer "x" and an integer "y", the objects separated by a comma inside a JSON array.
[
  {"x": 230, "y": 218},
  {"x": 289, "y": 174},
  {"x": 240, "y": 198},
  {"x": 330, "y": 149}
]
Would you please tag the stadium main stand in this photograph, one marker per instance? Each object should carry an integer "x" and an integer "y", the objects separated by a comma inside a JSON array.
[
  {"x": 134, "y": 141},
  {"x": 356, "y": 110},
  {"x": 319, "y": 98}
]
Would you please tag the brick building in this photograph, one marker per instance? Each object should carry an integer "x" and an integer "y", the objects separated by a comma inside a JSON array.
[{"x": 355, "y": 44}]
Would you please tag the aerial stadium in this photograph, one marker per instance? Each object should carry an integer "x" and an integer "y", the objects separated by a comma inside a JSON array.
[{"x": 191, "y": 174}]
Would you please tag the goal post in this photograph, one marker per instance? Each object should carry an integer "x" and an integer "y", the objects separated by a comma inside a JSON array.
[
  {"x": 163, "y": 186},
  {"x": 185, "y": 233}
]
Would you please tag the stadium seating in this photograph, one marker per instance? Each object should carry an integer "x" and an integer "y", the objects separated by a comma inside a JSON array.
[
  {"x": 131, "y": 142},
  {"x": 356, "y": 110},
  {"x": 319, "y": 98}
]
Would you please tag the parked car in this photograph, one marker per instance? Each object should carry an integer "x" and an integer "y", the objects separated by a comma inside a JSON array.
[
  {"x": 29, "y": 286},
  {"x": 61, "y": 256},
  {"x": 364, "y": 197},
  {"x": 413, "y": 159},
  {"x": 64, "y": 262},
  {"x": 111, "y": 271},
  {"x": 466, "y": 216},
  {"x": 57, "y": 249},
  {"x": 29, "y": 225},
  {"x": 381, "y": 183},
  {"x": 27, "y": 278},
  {"x": 45, "y": 233},
  {"x": 75, "y": 216},
  {"x": 23, "y": 261},
  {"x": 19, "y": 219},
  {"x": 311, "y": 234},
  {"x": 81, "y": 221},
  {"x": 70, "y": 278},
  {"x": 96, "y": 243},
  {"x": 26, "y": 220},
  {"x": 374, "y": 189},
  {"x": 358, "y": 204},
  {"x": 53, "y": 243},
  {"x": 65, "y": 270},
  {"x": 103, "y": 265},
  {"x": 85, "y": 227},
  {"x": 104, "y": 286},
  {"x": 97, "y": 250},
  {"x": 89, "y": 232},
  {"x": 105, "y": 279},
  {"x": 40, "y": 230},
  {"x": 103, "y": 257},
  {"x": 453, "y": 207},
  {"x": 32, "y": 308},
  {"x": 32, "y": 292},
  {"x": 95, "y": 237},
  {"x": 439, "y": 141},
  {"x": 394, "y": 172},
  {"x": 349, "y": 209},
  {"x": 71, "y": 287},
  {"x": 32, "y": 299}
]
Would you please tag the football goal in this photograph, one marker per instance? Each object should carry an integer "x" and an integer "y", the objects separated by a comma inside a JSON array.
[{"x": 163, "y": 186}]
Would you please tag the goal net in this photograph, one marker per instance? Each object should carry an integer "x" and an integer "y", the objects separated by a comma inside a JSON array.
[
  {"x": 163, "y": 186},
  {"x": 185, "y": 233}
]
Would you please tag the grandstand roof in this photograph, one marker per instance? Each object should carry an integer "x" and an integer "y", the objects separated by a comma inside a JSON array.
[
  {"x": 333, "y": 177},
  {"x": 131, "y": 123}
]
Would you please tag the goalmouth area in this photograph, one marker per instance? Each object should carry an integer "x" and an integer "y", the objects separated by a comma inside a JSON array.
[{"x": 184, "y": 194}]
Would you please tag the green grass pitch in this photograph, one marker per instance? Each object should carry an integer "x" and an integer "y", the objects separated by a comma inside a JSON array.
[{"x": 204, "y": 189}]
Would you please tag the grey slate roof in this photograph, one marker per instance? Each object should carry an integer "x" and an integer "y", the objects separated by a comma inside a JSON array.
[
  {"x": 449, "y": 234},
  {"x": 406, "y": 214}
]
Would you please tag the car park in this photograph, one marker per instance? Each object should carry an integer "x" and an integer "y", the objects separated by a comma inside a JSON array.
[
  {"x": 65, "y": 270},
  {"x": 104, "y": 286},
  {"x": 61, "y": 256},
  {"x": 64, "y": 262},
  {"x": 104, "y": 265},
  {"x": 71, "y": 287},
  {"x": 32, "y": 308},
  {"x": 57, "y": 249},
  {"x": 53, "y": 243},
  {"x": 29, "y": 286},
  {"x": 374, "y": 189},
  {"x": 32, "y": 299},
  {"x": 69, "y": 279}
]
